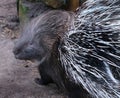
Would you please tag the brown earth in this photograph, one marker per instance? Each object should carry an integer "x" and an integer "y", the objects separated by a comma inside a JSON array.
[{"x": 17, "y": 77}]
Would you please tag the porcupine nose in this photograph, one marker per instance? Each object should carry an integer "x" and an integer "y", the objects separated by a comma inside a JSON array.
[{"x": 16, "y": 52}]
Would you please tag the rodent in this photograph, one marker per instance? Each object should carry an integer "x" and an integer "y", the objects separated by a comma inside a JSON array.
[
  {"x": 79, "y": 52},
  {"x": 38, "y": 38}
]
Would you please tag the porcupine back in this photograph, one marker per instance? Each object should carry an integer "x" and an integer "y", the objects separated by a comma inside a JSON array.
[{"x": 90, "y": 53}]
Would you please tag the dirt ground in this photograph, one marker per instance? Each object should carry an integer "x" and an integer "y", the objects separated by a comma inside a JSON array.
[{"x": 17, "y": 77}]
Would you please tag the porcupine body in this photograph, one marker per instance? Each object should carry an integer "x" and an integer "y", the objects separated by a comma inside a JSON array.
[
  {"x": 83, "y": 58},
  {"x": 92, "y": 57}
]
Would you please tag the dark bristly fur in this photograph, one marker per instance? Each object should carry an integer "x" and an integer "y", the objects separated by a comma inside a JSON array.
[
  {"x": 81, "y": 53},
  {"x": 38, "y": 38}
]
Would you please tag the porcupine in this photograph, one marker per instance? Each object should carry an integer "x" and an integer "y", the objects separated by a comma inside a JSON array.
[{"x": 85, "y": 59}]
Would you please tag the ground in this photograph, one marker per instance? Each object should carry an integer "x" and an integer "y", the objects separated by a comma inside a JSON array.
[{"x": 17, "y": 77}]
